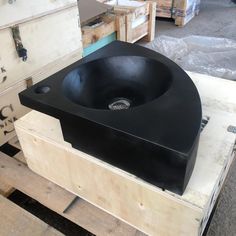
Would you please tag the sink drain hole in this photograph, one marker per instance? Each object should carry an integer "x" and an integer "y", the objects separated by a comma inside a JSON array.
[{"x": 119, "y": 104}]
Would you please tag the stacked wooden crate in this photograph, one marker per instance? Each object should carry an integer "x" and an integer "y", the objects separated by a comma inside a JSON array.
[
  {"x": 139, "y": 18},
  {"x": 50, "y": 32},
  {"x": 182, "y": 11}
]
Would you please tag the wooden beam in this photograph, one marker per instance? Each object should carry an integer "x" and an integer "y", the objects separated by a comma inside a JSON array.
[{"x": 151, "y": 21}]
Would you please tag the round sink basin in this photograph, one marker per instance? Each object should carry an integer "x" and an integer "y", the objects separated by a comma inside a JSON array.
[{"x": 117, "y": 83}]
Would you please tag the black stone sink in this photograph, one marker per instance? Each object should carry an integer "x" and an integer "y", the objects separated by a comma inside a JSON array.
[{"x": 128, "y": 106}]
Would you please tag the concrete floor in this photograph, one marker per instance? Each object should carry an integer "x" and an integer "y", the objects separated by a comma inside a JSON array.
[{"x": 217, "y": 18}]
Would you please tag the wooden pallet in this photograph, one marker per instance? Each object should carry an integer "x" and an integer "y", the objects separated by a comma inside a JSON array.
[
  {"x": 14, "y": 174},
  {"x": 140, "y": 204}
]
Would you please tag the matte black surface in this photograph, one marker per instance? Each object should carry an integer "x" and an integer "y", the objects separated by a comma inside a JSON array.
[{"x": 129, "y": 106}]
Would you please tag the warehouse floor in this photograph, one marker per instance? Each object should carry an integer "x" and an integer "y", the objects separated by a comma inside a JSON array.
[{"x": 217, "y": 18}]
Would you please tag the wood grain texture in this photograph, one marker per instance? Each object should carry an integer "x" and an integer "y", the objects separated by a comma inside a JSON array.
[
  {"x": 93, "y": 33},
  {"x": 15, "y": 221},
  {"x": 46, "y": 39},
  {"x": 24, "y": 10}
]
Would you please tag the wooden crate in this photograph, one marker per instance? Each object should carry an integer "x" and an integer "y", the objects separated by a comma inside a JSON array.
[
  {"x": 182, "y": 11},
  {"x": 102, "y": 31},
  {"x": 139, "y": 18},
  {"x": 130, "y": 199},
  {"x": 185, "y": 10},
  {"x": 51, "y": 33},
  {"x": 164, "y": 8}
]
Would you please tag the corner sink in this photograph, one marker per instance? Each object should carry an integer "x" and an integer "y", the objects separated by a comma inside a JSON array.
[{"x": 130, "y": 107}]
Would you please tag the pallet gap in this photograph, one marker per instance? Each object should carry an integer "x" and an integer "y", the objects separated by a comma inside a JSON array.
[{"x": 50, "y": 217}]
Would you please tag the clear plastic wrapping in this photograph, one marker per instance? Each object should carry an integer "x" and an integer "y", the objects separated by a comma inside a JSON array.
[{"x": 206, "y": 55}]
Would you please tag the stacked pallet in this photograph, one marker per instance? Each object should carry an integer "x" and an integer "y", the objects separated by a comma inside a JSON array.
[{"x": 38, "y": 38}]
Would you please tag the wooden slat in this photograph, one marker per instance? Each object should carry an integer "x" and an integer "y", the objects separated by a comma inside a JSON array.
[
  {"x": 57, "y": 199},
  {"x": 16, "y": 174},
  {"x": 15, "y": 221},
  {"x": 140, "y": 31},
  {"x": 151, "y": 22},
  {"x": 121, "y": 27},
  {"x": 91, "y": 34}
]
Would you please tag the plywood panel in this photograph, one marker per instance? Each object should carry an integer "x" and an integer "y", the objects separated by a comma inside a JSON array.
[
  {"x": 24, "y": 10},
  {"x": 46, "y": 39}
]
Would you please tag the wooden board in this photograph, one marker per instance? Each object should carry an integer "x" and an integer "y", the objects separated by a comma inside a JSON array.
[
  {"x": 46, "y": 39},
  {"x": 127, "y": 197},
  {"x": 24, "y": 10},
  {"x": 15, "y": 221},
  {"x": 95, "y": 31},
  {"x": 59, "y": 200}
]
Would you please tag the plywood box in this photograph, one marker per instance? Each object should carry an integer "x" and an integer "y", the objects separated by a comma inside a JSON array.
[{"x": 138, "y": 203}]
